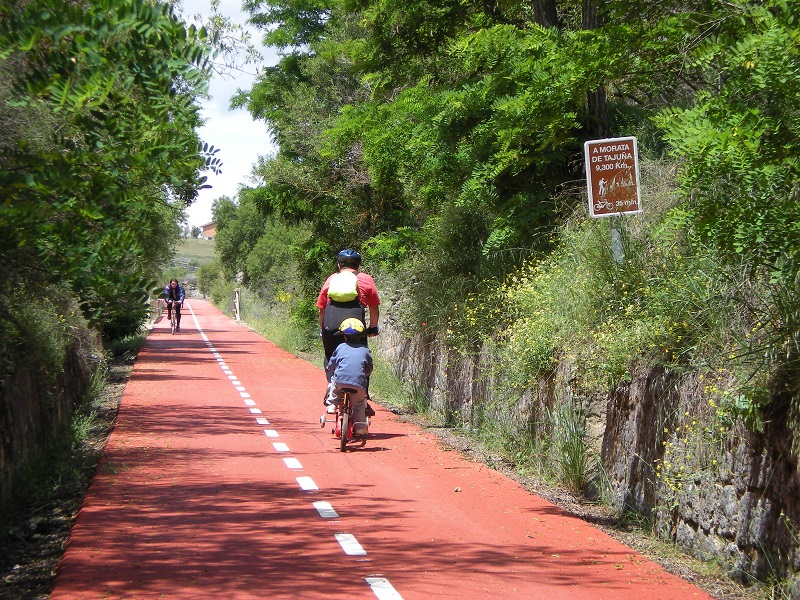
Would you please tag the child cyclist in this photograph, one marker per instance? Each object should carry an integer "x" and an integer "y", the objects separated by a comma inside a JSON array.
[{"x": 350, "y": 366}]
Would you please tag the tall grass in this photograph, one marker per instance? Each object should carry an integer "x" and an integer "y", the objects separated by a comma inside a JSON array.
[
  {"x": 274, "y": 321},
  {"x": 572, "y": 452}
]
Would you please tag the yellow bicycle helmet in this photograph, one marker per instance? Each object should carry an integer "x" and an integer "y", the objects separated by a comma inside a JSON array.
[{"x": 352, "y": 326}]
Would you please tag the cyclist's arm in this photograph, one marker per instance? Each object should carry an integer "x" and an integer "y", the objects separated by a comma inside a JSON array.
[
  {"x": 374, "y": 313},
  {"x": 322, "y": 300}
]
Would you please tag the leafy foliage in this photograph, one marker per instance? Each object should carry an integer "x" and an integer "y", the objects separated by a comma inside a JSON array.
[
  {"x": 377, "y": 133},
  {"x": 739, "y": 138},
  {"x": 259, "y": 252},
  {"x": 100, "y": 153}
]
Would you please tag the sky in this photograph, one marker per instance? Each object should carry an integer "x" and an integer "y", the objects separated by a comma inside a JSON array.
[{"x": 239, "y": 138}]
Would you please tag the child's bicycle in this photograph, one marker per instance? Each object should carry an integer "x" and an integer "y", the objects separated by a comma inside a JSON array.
[{"x": 343, "y": 422}]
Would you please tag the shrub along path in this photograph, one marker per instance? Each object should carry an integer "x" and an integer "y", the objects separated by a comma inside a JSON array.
[{"x": 218, "y": 482}]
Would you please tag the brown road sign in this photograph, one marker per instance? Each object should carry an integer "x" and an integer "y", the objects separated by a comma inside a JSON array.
[{"x": 612, "y": 176}]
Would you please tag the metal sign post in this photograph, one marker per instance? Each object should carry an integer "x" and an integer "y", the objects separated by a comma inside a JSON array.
[
  {"x": 612, "y": 179},
  {"x": 616, "y": 242}
]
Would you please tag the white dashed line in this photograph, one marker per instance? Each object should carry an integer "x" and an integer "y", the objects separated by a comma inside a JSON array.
[
  {"x": 380, "y": 586},
  {"x": 382, "y": 589},
  {"x": 350, "y": 545},
  {"x": 307, "y": 484},
  {"x": 325, "y": 510},
  {"x": 293, "y": 463}
]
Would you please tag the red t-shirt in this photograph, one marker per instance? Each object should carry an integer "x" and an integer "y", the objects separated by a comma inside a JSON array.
[{"x": 367, "y": 292}]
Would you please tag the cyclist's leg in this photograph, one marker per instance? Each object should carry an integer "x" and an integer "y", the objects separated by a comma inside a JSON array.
[
  {"x": 359, "y": 402},
  {"x": 334, "y": 397},
  {"x": 178, "y": 314},
  {"x": 370, "y": 411},
  {"x": 169, "y": 310},
  {"x": 329, "y": 343}
]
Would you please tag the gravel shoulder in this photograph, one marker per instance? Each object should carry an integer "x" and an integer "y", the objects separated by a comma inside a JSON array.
[{"x": 708, "y": 576}]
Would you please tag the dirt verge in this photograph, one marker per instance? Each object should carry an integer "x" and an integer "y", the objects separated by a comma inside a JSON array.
[{"x": 708, "y": 576}]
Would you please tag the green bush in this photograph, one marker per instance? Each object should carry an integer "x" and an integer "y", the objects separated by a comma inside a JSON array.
[
  {"x": 222, "y": 293},
  {"x": 209, "y": 275}
]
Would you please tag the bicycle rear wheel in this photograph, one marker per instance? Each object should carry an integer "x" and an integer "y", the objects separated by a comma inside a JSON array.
[{"x": 343, "y": 433}]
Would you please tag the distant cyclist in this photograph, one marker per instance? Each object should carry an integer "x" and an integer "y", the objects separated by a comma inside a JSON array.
[
  {"x": 346, "y": 294},
  {"x": 173, "y": 296}
]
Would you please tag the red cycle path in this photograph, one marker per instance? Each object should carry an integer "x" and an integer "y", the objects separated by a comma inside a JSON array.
[{"x": 195, "y": 498}]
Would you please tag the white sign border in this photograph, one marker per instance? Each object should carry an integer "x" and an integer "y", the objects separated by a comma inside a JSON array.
[{"x": 589, "y": 189}]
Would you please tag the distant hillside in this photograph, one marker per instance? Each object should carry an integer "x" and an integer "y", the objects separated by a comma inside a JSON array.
[
  {"x": 190, "y": 254},
  {"x": 194, "y": 251}
]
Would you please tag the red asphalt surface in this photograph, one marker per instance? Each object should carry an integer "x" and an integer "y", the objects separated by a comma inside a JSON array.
[{"x": 195, "y": 498}]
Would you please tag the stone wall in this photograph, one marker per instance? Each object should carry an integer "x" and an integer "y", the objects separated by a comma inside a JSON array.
[
  {"x": 34, "y": 409},
  {"x": 729, "y": 495}
]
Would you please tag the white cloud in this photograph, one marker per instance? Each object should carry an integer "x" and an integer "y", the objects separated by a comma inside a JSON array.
[{"x": 240, "y": 139}]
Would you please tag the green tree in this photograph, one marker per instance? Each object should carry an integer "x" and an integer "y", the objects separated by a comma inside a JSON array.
[
  {"x": 110, "y": 90},
  {"x": 739, "y": 138},
  {"x": 238, "y": 229}
]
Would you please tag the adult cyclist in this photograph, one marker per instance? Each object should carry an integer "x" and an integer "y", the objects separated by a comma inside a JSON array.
[
  {"x": 173, "y": 296},
  {"x": 346, "y": 293}
]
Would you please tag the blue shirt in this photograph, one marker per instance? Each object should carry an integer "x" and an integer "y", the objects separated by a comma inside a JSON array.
[
  {"x": 178, "y": 294},
  {"x": 351, "y": 364}
]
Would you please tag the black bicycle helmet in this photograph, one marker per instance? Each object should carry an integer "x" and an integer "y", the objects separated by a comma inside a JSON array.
[{"x": 349, "y": 258}]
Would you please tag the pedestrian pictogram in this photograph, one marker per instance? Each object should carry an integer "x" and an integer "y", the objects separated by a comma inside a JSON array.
[{"x": 612, "y": 177}]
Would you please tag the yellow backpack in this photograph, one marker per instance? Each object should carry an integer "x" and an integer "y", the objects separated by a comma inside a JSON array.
[{"x": 343, "y": 286}]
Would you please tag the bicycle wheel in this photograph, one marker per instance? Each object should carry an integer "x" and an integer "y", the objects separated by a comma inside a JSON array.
[{"x": 343, "y": 434}]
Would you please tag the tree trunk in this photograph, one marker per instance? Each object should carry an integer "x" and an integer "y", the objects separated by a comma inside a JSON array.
[
  {"x": 592, "y": 19},
  {"x": 597, "y": 125},
  {"x": 545, "y": 13}
]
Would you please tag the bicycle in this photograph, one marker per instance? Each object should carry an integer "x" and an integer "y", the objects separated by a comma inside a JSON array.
[
  {"x": 174, "y": 318},
  {"x": 344, "y": 426}
]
